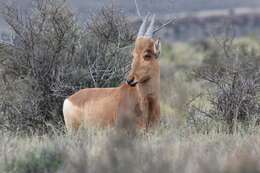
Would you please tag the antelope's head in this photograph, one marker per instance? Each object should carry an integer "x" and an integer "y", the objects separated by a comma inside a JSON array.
[{"x": 145, "y": 64}]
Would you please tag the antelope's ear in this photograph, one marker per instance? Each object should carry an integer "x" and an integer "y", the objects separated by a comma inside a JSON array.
[{"x": 157, "y": 48}]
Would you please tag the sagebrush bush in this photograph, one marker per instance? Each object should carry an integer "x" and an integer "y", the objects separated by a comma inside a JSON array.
[
  {"x": 52, "y": 56},
  {"x": 231, "y": 72}
]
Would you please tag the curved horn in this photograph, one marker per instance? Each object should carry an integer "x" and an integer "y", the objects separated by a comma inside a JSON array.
[
  {"x": 142, "y": 27},
  {"x": 149, "y": 32}
]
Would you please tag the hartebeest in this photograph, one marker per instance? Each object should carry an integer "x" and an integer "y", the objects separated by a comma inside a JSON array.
[{"x": 137, "y": 98}]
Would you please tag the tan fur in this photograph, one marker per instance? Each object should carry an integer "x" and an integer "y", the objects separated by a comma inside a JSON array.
[{"x": 104, "y": 106}]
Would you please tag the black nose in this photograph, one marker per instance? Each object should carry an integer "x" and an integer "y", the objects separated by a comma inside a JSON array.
[{"x": 131, "y": 82}]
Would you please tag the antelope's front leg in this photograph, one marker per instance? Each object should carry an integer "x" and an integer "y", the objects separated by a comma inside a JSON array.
[
  {"x": 153, "y": 113},
  {"x": 144, "y": 106}
]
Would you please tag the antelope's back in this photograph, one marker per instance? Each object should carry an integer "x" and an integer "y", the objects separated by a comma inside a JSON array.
[{"x": 92, "y": 105}]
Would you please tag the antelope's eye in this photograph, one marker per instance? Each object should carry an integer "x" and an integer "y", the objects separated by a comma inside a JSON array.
[{"x": 147, "y": 56}]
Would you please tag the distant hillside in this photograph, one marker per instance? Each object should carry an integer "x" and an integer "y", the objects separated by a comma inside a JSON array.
[
  {"x": 164, "y": 6},
  {"x": 196, "y": 18},
  {"x": 156, "y": 6},
  {"x": 204, "y": 24}
]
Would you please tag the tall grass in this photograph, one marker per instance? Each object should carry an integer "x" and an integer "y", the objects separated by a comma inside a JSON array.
[{"x": 166, "y": 149}]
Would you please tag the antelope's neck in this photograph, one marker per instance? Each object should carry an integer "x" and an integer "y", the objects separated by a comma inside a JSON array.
[{"x": 151, "y": 89}]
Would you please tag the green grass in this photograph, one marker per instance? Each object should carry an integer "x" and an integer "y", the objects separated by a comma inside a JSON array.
[{"x": 38, "y": 160}]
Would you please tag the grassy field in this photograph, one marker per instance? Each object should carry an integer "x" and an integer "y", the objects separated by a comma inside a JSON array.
[{"x": 167, "y": 149}]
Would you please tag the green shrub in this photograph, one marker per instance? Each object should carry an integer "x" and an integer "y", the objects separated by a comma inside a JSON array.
[{"x": 45, "y": 160}]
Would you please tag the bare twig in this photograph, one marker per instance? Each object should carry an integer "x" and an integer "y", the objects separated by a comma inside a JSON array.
[{"x": 203, "y": 112}]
